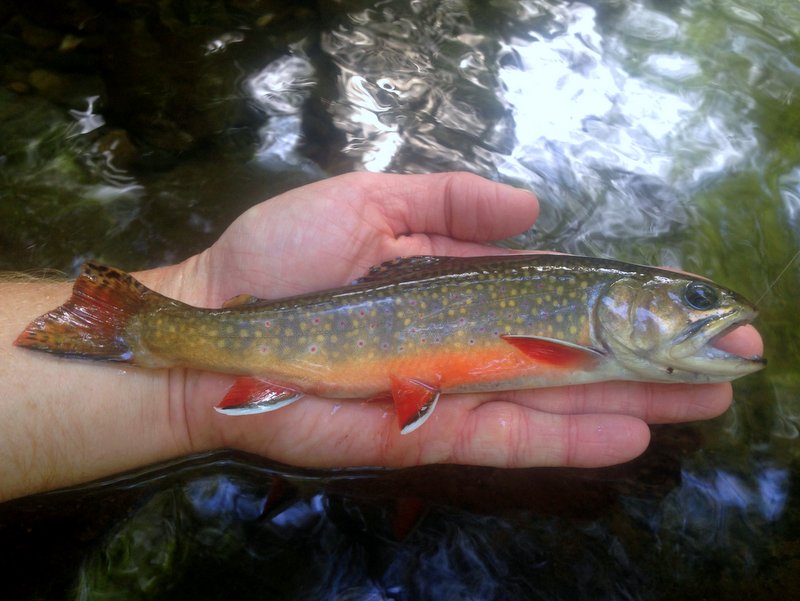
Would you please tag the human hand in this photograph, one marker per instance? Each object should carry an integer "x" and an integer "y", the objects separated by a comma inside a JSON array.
[{"x": 329, "y": 233}]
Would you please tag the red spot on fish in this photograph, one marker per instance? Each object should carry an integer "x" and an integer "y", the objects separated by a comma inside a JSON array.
[{"x": 268, "y": 324}]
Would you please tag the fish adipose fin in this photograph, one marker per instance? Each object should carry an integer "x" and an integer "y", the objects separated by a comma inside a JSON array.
[
  {"x": 414, "y": 402},
  {"x": 92, "y": 323},
  {"x": 250, "y": 395},
  {"x": 557, "y": 353},
  {"x": 242, "y": 300}
]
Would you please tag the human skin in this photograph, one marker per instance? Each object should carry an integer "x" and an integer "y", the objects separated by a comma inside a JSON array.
[{"x": 64, "y": 422}]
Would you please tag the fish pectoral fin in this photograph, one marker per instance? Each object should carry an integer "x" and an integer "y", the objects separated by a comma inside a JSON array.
[
  {"x": 556, "y": 352},
  {"x": 414, "y": 401},
  {"x": 250, "y": 395},
  {"x": 242, "y": 300}
]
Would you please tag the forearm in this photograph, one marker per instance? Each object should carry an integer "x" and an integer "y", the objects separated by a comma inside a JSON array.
[{"x": 64, "y": 421}]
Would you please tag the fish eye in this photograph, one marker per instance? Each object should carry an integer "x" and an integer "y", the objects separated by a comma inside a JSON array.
[{"x": 700, "y": 296}]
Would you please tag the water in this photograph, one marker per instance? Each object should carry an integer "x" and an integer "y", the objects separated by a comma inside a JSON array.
[{"x": 656, "y": 132}]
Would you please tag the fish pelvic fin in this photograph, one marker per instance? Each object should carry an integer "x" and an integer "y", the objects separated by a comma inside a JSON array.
[
  {"x": 93, "y": 322},
  {"x": 414, "y": 402}
]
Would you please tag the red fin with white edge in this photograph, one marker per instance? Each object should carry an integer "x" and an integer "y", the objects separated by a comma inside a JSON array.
[
  {"x": 556, "y": 352},
  {"x": 92, "y": 323},
  {"x": 250, "y": 395},
  {"x": 414, "y": 402}
]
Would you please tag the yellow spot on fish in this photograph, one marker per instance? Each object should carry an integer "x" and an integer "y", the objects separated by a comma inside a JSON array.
[
  {"x": 243, "y": 333},
  {"x": 559, "y": 318},
  {"x": 573, "y": 330},
  {"x": 406, "y": 321}
]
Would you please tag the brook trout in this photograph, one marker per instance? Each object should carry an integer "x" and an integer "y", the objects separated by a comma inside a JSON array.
[{"x": 415, "y": 328}]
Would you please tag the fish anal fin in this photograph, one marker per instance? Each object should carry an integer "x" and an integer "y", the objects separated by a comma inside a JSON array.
[
  {"x": 414, "y": 402},
  {"x": 250, "y": 395},
  {"x": 557, "y": 353}
]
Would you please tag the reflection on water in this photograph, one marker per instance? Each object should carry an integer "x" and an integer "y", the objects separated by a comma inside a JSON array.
[
  {"x": 342, "y": 530},
  {"x": 659, "y": 132}
]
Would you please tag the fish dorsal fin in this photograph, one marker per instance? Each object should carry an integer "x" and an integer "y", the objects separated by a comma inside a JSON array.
[
  {"x": 558, "y": 353},
  {"x": 242, "y": 300},
  {"x": 399, "y": 267}
]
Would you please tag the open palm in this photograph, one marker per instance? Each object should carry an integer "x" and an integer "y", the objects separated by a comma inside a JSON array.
[{"x": 329, "y": 233}]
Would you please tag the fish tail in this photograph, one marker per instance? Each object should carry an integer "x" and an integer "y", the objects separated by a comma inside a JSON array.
[{"x": 93, "y": 322}]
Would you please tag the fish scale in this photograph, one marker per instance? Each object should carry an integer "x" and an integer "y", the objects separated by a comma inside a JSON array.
[{"x": 417, "y": 327}]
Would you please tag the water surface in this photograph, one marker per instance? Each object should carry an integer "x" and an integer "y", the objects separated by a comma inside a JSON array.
[{"x": 655, "y": 132}]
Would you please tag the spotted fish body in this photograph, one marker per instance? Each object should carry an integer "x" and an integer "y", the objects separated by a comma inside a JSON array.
[{"x": 415, "y": 328}]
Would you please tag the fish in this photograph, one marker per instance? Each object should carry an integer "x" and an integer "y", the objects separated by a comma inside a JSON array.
[{"x": 416, "y": 328}]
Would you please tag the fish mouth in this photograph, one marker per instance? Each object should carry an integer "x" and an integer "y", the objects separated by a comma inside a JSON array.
[{"x": 695, "y": 349}]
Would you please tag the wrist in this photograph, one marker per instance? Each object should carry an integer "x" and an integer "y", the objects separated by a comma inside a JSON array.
[{"x": 64, "y": 421}]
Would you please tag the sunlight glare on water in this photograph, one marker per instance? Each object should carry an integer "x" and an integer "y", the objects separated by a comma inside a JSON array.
[{"x": 563, "y": 106}]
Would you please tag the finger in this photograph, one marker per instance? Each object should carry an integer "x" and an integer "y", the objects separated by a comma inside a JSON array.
[
  {"x": 459, "y": 205},
  {"x": 507, "y": 435},
  {"x": 321, "y": 434},
  {"x": 744, "y": 341},
  {"x": 653, "y": 403}
]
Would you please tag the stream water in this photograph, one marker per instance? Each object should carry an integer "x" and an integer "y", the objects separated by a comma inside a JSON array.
[{"x": 660, "y": 132}]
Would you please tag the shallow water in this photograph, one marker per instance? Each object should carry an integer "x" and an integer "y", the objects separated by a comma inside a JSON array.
[{"x": 655, "y": 132}]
